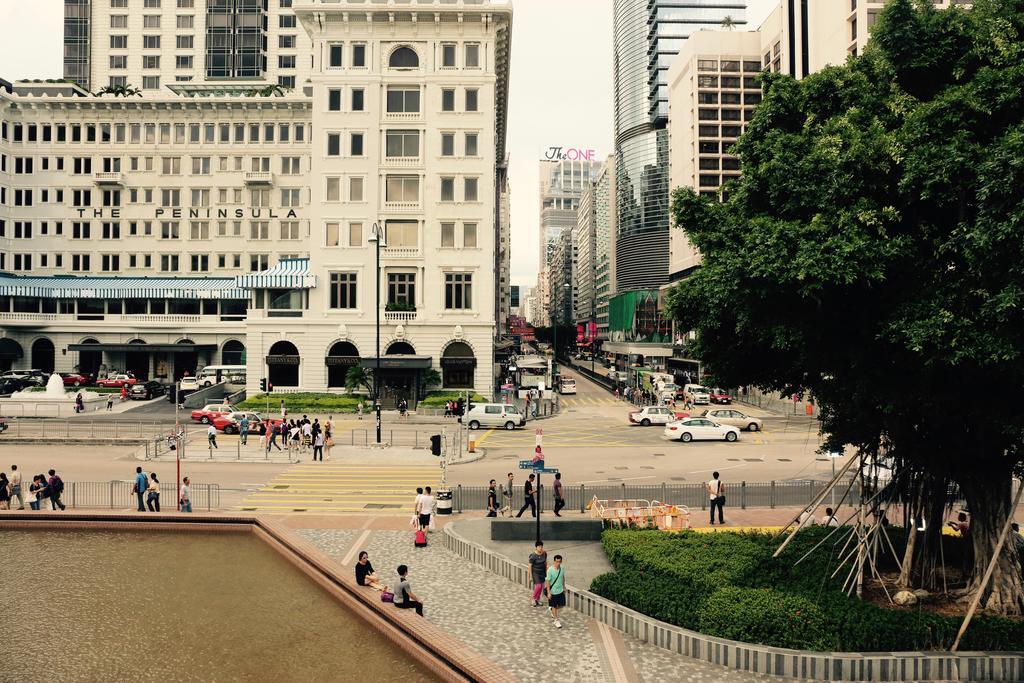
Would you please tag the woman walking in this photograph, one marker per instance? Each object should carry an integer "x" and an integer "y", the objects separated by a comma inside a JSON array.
[
  {"x": 153, "y": 493},
  {"x": 5, "y": 492}
]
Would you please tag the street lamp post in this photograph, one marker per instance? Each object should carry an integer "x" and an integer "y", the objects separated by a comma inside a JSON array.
[{"x": 377, "y": 237}]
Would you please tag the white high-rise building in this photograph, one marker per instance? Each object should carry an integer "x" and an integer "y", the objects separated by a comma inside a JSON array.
[{"x": 196, "y": 225}]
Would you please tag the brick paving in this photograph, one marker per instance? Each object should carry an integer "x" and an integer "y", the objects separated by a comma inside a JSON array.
[{"x": 497, "y": 619}]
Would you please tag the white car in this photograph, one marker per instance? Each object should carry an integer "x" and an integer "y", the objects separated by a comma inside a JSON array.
[
  {"x": 734, "y": 418},
  {"x": 494, "y": 415},
  {"x": 654, "y": 415},
  {"x": 188, "y": 384},
  {"x": 700, "y": 429},
  {"x": 697, "y": 394}
]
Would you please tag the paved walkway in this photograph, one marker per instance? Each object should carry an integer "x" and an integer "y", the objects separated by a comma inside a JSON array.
[{"x": 497, "y": 619}]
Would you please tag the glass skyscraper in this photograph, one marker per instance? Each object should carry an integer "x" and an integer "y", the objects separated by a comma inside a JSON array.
[{"x": 647, "y": 36}]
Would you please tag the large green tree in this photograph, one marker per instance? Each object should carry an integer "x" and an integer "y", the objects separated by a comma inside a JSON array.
[{"x": 871, "y": 255}]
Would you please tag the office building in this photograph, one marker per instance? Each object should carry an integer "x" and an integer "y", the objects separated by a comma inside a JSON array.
[
  {"x": 561, "y": 273},
  {"x": 604, "y": 243},
  {"x": 192, "y": 225},
  {"x": 585, "y": 236}
]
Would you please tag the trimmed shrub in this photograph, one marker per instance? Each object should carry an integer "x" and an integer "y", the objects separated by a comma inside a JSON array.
[
  {"x": 437, "y": 399},
  {"x": 766, "y": 616},
  {"x": 309, "y": 403}
]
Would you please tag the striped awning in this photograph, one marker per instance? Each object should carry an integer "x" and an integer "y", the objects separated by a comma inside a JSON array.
[
  {"x": 289, "y": 273},
  {"x": 86, "y": 287}
]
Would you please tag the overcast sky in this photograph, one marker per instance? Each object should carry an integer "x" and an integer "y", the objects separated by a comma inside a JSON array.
[{"x": 560, "y": 93}]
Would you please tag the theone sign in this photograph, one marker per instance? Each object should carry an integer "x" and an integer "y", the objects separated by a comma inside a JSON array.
[{"x": 569, "y": 154}]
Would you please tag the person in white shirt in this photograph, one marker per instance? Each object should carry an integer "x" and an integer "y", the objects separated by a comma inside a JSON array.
[
  {"x": 211, "y": 436},
  {"x": 185, "y": 496},
  {"x": 830, "y": 518},
  {"x": 16, "y": 487},
  {"x": 716, "y": 494},
  {"x": 807, "y": 517},
  {"x": 426, "y": 509}
]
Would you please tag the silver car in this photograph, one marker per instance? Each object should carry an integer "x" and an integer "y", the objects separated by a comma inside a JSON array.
[{"x": 733, "y": 418}]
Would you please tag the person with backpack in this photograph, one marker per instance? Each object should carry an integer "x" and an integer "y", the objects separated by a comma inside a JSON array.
[
  {"x": 140, "y": 487},
  {"x": 716, "y": 494},
  {"x": 404, "y": 597},
  {"x": 54, "y": 490},
  {"x": 555, "y": 585}
]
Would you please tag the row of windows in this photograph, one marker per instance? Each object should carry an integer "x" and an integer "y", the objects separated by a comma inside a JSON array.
[
  {"x": 750, "y": 98},
  {"x": 401, "y": 189},
  {"x": 706, "y": 114},
  {"x": 167, "y": 165},
  {"x": 155, "y": 133},
  {"x": 458, "y": 290},
  {"x": 110, "y": 263},
  {"x": 747, "y": 82},
  {"x": 167, "y": 230},
  {"x": 402, "y": 100},
  {"x": 728, "y": 65},
  {"x": 118, "y": 62},
  {"x": 156, "y": 4},
  {"x": 402, "y": 144},
  {"x": 400, "y": 234}
]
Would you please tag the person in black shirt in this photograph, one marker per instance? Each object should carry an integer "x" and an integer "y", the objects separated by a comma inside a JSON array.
[
  {"x": 529, "y": 502},
  {"x": 492, "y": 500},
  {"x": 364, "y": 572}
]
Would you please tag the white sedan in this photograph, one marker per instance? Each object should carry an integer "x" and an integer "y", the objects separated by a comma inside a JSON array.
[
  {"x": 657, "y": 415},
  {"x": 730, "y": 416},
  {"x": 700, "y": 429}
]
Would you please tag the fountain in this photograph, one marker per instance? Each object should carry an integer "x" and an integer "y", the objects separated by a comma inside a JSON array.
[{"x": 53, "y": 400}]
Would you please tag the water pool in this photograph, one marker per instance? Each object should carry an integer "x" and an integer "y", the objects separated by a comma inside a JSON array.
[{"x": 126, "y": 605}]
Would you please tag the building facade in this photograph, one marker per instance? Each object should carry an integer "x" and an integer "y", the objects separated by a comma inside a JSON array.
[
  {"x": 585, "y": 236},
  {"x": 561, "y": 274},
  {"x": 647, "y": 36},
  {"x": 248, "y": 229},
  {"x": 604, "y": 243},
  {"x": 150, "y": 44}
]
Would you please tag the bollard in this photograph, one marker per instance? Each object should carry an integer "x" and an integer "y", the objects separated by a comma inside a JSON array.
[
  {"x": 111, "y": 495},
  {"x": 239, "y": 447},
  {"x": 583, "y": 498},
  {"x": 458, "y": 499},
  {"x": 743, "y": 495},
  {"x": 771, "y": 495}
]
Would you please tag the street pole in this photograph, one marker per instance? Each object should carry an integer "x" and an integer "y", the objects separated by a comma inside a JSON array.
[
  {"x": 537, "y": 493},
  {"x": 376, "y": 373}
]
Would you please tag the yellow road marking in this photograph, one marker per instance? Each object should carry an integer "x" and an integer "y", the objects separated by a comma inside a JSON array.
[{"x": 486, "y": 435}]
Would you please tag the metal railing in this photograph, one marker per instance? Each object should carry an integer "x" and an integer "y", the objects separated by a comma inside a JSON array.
[
  {"x": 741, "y": 494},
  {"x": 88, "y": 429},
  {"x": 776, "y": 404},
  {"x": 118, "y": 494}
]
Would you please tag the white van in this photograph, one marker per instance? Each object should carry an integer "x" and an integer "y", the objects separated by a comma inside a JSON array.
[
  {"x": 494, "y": 415},
  {"x": 697, "y": 394},
  {"x": 212, "y": 374}
]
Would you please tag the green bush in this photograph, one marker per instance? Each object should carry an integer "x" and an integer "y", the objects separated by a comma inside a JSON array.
[
  {"x": 308, "y": 403},
  {"x": 728, "y": 585},
  {"x": 437, "y": 399}
]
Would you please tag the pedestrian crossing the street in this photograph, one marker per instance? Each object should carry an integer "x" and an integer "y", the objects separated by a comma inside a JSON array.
[{"x": 328, "y": 487}]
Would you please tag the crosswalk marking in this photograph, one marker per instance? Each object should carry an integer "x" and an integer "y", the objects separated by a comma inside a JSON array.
[{"x": 330, "y": 487}]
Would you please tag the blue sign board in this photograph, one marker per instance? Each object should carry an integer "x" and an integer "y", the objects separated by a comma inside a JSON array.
[
  {"x": 526, "y": 464},
  {"x": 547, "y": 470}
]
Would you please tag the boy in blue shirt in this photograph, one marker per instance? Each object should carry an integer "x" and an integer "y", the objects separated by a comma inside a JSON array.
[{"x": 555, "y": 585}]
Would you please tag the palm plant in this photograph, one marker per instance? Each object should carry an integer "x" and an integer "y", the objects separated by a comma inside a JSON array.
[
  {"x": 118, "y": 91},
  {"x": 728, "y": 23},
  {"x": 358, "y": 378},
  {"x": 272, "y": 90}
]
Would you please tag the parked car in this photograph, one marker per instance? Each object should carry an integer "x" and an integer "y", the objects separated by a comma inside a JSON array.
[
  {"x": 30, "y": 377},
  {"x": 73, "y": 379},
  {"x": 188, "y": 384},
  {"x": 10, "y": 385},
  {"x": 493, "y": 415},
  {"x": 720, "y": 396},
  {"x": 728, "y": 416},
  {"x": 700, "y": 429},
  {"x": 655, "y": 415},
  {"x": 229, "y": 422},
  {"x": 697, "y": 394},
  {"x": 117, "y": 381},
  {"x": 147, "y": 390},
  {"x": 210, "y": 411}
]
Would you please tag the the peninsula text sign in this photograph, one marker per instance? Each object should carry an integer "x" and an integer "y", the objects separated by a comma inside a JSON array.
[{"x": 202, "y": 212}]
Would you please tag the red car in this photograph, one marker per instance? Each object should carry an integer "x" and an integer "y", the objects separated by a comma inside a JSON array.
[
  {"x": 210, "y": 411},
  {"x": 73, "y": 379},
  {"x": 116, "y": 381},
  {"x": 720, "y": 396},
  {"x": 229, "y": 422}
]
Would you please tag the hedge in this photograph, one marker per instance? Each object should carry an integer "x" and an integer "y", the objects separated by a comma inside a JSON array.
[
  {"x": 308, "y": 403},
  {"x": 728, "y": 585},
  {"x": 437, "y": 399}
]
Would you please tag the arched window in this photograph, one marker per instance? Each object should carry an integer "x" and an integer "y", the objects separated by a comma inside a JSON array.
[
  {"x": 43, "y": 354},
  {"x": 232, "y": 353},
  {"x": 400, "y": 348},
  {"x": 458, "y": 364},
  {"x": 404, "y": 58},
  {"x": 341, "y": 356},
  {"x": 283, "y": 364}
]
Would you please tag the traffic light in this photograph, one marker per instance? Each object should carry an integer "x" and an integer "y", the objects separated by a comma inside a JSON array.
[
  {"x": 270, "y": 387},
  {"x": 263, "y": 385},
  {"x": 435, "y": 444}
]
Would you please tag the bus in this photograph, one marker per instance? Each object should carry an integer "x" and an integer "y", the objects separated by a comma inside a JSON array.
[
  {"x": 566, "y": 385},
  {"x": 212, "y": 374}
]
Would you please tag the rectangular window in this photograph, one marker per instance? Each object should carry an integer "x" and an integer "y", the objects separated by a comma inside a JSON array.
[
  {"x": 150, "y": 82},
  {"x": 200, "y": 263},
  {"x": 402, "y": 288},
  {"x": 333, "y": 231},
  {"x": 469, "y": 235},
  {"x": 458, "y": 291},
  {"x": 334, "y": 54},
  {"x": 200, "y": 165},
  {"x": 80, "y": 231},
  {"x": 355, "y": 234},
  {"x": 286, "y": 42},
  {"x": 403, "y": 100},
  {"x": 447, "y": 235},
  {"x": 151, "y": 21},
  {"x": 472, "y": 55},
  {"x": 199, "y": 230},
  {"x": 355, "y": 189},
  {"x": 259, "y": 230},
  {"x": 289, "y": 230},
  {"x": 118, "y": 21},
  {"x": 470, "y": 189},
  {"x": 447, "y": 144},
  {"x": 290, "y": 197},
  {"x": 118, "y": 61},
  {"x": 169, "y": 230},
  {"x": 448, "y": 55},
  {"x": 334, "y": 99},
  {"x": 111, "y": 231},
  {"x": 291, "y": 165},
  {"x": 402, "y": 189},
  {"x": 447, "y": 189},
  {"x": 471, "y": 145},
  {"x": 118, "y": 42},
  {"x": 286, "y": 61},
  {"x": 333, "y": 144},
  {"x": 169, "y": 263},
  {"x": 448, "y": 99},
  {"x": 402, "y": 143},
  {"x": 333, "y": 189},
  {"x": 343, "y": 290},
  {"x": 359, "y": 55},
  {"x": 286, "y": 21},
  {"x": 183, "y": 62},
  {"x": 184, "y": 42},
  {"x": 356, "y": 144},
  {"x": 358, "y": 99},
  {"x": 150, "y": 42},
  {"x": 472, "y": 97}
]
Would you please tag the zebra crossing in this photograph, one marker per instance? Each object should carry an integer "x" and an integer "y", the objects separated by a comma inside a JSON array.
[{"x": 574, "y": 401}]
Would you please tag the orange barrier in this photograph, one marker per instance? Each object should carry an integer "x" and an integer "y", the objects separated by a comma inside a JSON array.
[{"x": 640, "y": 513}]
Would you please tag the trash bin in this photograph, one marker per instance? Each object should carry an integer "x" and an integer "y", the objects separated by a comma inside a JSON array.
[{"x": 444, "y": 502}]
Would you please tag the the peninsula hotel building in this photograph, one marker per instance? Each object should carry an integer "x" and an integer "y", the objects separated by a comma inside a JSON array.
[{"x": 215, "y": 219}]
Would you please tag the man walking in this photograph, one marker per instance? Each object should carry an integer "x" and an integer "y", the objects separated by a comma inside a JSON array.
[
  {"x": 55, "y": 489},
  {"x": 243, "y": 429},
  {"x": 538, "y": 570},
  {"x": 426, "y": 509},
  {"x": 16, "y": 487},
  {"x": 141, "y": 486},
  {"x": 492, "y": 499},
  {"x": 185, "y": 496},
  {"x": 506, "y": 494},
  {"x": 211, "y": 436},
  {"x": 529, "y": 502},
  {"x": 559, "y": 497},
  {"x": 555, "y": 585},
  {"x": 716, "y": 493}
]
